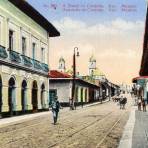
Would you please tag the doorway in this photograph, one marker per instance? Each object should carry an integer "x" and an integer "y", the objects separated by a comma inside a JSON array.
[
  {"x": 11, "y": 96},
  {"x": 24, "y": 95},
  {"x": 34, "y": 96},
  {"x": 42, "y": 96}
]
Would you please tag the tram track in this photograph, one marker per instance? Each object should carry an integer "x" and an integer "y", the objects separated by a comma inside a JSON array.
[
  {"x": 110, "y": 130},
  {"x": 27, "y": 127},
  {"x": 64, "y": 134},
  {"x": 33, "y": 125},
  {"x": 67, "y": 115},
  {"x": 79, "y": 131},
  {"x": 89, "y": 125}
]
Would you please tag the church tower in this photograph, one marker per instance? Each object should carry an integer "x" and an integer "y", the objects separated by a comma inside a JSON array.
[
  {"x": 62, "y": 67},
  {"x": 92, "y": 65}
]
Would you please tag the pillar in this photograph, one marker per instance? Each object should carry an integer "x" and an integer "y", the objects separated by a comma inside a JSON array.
[
  {"x": 39, "y": 98},
  {"x": 5, "y": 106},
  {"x": 16, "y": 97},
  {"x": 29, "y": 99},
  {"x": 46, "y": 103}
]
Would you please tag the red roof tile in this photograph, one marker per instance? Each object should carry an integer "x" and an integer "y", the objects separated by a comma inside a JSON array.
[{"x": 58, "y": 74}]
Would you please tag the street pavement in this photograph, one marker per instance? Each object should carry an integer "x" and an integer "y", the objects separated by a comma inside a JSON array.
[
  {"x": 93, "y": 126},
  {"x": 18, "y": 119},
  {"x": 135, "y": 133}
]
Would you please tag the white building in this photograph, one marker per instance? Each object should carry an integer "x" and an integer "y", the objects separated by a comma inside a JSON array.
[
  {"x": 24, "y": 57},
  {"x": 61, "y": 85}
]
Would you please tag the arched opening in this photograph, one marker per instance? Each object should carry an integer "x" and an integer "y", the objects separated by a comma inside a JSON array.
[
  {"x": 104, "y": 92},
  {"x": 34, "y": 96},
  {"x": 1, "y": 101},
  {"x": 11, "y": 96},
  {"x": 85, "y": 95},
  {"x": 42, "y": 95},
  {"x": 24, "y": 95}
]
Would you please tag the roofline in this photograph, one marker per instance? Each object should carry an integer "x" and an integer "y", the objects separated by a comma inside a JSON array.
[
  {"x": 29, "y": 10},
  {"x": 140, "y": 77},
  {"x": 77, "y": 79},
  {"x": 60, "y": 78}
]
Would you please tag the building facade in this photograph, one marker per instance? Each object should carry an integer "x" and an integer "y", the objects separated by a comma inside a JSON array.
[
  {"x": 140, "y": 86},
  {"x": 61, "y": 85},
  {"x": 24, "y": 58}
]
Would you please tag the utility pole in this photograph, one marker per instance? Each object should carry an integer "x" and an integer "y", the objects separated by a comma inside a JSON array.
[{"x": 72, "y": 102}]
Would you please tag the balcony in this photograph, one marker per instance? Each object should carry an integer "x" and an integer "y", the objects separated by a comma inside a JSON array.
[
  {"x": 45, "y": 67},
  {"x": 3, "y": 53},
  {"x": 27, "y": 61},
  {"x": 14, "y": 56},
  {"x": 37, "y": 65},
  {"x": 15, "y": 59}
]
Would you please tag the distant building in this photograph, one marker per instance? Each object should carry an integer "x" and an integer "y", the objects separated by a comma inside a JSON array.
[
  {"x": 61, "y": 67},
  {"x": 61, "y": 85},
  {"x": 92, "y": 65},
  {"x": 24, "y": 58}
]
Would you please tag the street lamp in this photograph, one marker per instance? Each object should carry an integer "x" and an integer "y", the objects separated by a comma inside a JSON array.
[{"x": 76, "y": 53}]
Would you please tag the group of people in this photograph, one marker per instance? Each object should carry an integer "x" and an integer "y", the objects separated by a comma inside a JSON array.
[
  {"x": 141, "y": 103},
  {"x": 121, "y": 99}
]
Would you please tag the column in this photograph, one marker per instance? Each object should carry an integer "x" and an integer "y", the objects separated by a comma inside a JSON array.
[
  {"x": 5, "y": 106},
  {"x": 39, "y": 98},
  {"x": 29, "y": 99},
  {"x": 79, "y": 94},
  {"x": 87, "y": 94},
  {"x": 83, "y": 94},
  {"x": 45, "y": 95},
  {"x": 16, "y": 97}
]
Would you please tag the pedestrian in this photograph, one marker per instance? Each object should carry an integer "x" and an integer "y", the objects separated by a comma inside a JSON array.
[
  {"x": 143, "y": 105},
  {"x": 121, "y": 102},
  {"x": 55, "y": 109},
  {"x": 139, "y": 104},
  {"x": 124, "y": 102}
]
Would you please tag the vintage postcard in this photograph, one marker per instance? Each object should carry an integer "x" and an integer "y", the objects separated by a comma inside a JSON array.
[{"x": 73, "y": 73}]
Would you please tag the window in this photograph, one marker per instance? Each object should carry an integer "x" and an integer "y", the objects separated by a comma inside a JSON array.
[
  {"x": 43, "y": 54},
  {"x": 33, "y": 50},
  {"x": 23, "y": 45},
  {"x": 11, "y": 35}
]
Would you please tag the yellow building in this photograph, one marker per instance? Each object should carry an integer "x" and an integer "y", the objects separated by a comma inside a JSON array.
[{"x": 24, "y": 57}]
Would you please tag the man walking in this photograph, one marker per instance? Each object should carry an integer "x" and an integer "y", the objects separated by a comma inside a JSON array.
[{"x": 55, "y": 109}]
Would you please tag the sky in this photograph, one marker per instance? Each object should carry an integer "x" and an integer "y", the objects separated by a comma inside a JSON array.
[{"x": 110, "y": 30}]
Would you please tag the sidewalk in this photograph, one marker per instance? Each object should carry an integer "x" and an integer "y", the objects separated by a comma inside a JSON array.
[
  {"x": 135, "y": 133},
  {"x": 18, "y": 119}
]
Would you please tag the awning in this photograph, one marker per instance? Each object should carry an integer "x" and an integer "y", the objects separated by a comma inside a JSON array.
[{"x": 134, "y": 80}]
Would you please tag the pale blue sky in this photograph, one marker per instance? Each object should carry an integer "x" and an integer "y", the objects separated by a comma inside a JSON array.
[
  {"x": 114, "y": 38},
  {"x": 43, "y": 6}
]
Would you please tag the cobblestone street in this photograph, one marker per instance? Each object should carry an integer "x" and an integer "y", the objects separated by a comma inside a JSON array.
[{"x": 94, "y": 126}]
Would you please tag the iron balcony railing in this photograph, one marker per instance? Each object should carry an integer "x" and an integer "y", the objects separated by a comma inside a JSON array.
[
  {"x": 27, "y": 61},
  {"x": 37, "y": 64},
  {"x": 3, "y": 52},
  {"x": 45, "y": 67},
  {"x": 14, "y": 56},
  {"x": 22, "y": 60}
]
